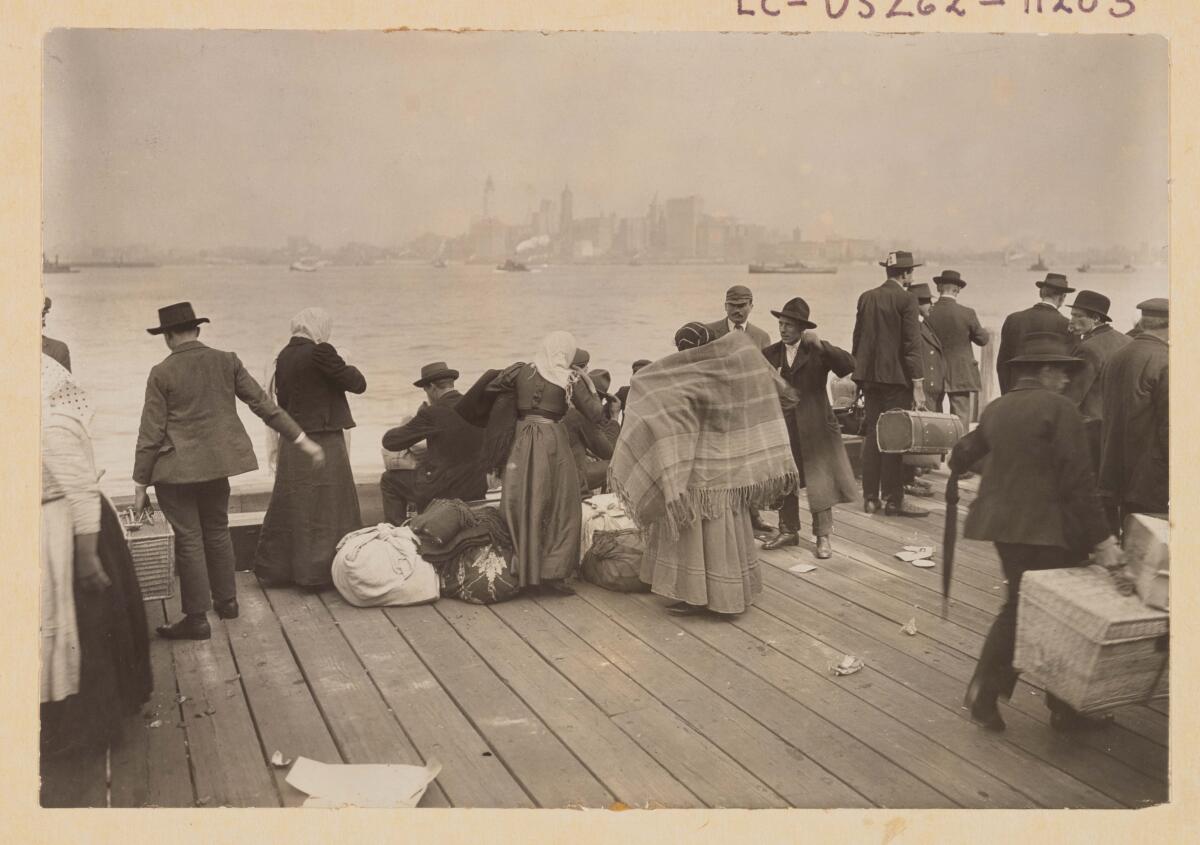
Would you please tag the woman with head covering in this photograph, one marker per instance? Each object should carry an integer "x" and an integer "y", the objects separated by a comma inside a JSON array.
[
  {"x": 95, "y": 652},
  {"x": 540, "y": 498},
  {"x": 311, "y": 507},
  {"x": 703, "y": 441}
]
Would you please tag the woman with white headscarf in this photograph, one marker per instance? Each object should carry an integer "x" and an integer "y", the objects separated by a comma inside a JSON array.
[
  {"x": 94, "y": 644},
  {"x": 540, "y": 498},
  {"x": 311, "y": 507}
]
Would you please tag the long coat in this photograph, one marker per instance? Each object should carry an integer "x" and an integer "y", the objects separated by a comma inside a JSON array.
[
  {"x": 452, "y": 467},
  {"x": 311, "y": 381},
  {"x": 816, "y": 437},
  {"x": 1042, "y": 317},
  {"x": 957, "y": 327},
  {"x": 887, "y": 337},
  {"x": 720, "y": 328},
  {"x": 1095, "y": 349},
  {"x": 1134, "y": 465},
  {"x": 934, "y": 360}
]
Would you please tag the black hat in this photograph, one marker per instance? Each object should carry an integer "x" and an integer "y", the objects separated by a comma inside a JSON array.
[
  {"x": 901, "y": 259},
  {"x": 1046, "y": 348},
  {"x": 434, "y": 372},
  {"x": 641, "y": 362},
  {"x": 179, "y": 316},
  {"x": 1156, "y": 307},
  {"x": 950, "y": 277},
  {"x": 921, "y": 292},
  {"x": 1057, "y": 282},
  {"x": 603, "y": 381},
  {"x": 1092, "y": 302},
  {"x": 797, "y": 311}
]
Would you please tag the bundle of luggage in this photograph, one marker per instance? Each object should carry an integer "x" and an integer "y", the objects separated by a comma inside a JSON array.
[
  {"x": 380, "y": 566},
  {"x": 611, "y": 546},
  {"x": 470, "y": 548},
  {"x": 1099, "y": 639}
]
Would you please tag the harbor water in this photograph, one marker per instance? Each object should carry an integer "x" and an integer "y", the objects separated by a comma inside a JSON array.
[{"x": 390, "y": 319}]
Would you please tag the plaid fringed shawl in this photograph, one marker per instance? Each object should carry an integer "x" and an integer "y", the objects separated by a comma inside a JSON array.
[{"x": 703, "y": 432}]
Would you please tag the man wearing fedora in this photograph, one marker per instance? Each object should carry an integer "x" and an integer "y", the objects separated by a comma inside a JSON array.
[
  {"x": 56, "y": 349},
  {"x": 1098, "y": 342},
  {"x": 957, "y": 327},
  {"x": 1038, "y": 503},
  {"x": 805, "y": 362},
  {"x": 1042, "y": 317},
  {"x": 739, "y": 302},
  {"x": 1134, "y": 466},
  {"x": 889, "y": 369},
  {"x": 451, "y": 467},
  {"x": 189, "y": 444}
]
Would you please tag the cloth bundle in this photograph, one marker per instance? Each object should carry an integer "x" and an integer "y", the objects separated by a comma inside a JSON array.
[
  {"x": 380, "y": 566},
  {"x": 470, "y": 549}
]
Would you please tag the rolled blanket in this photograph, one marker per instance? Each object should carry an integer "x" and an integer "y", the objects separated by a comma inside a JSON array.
[{"x": 442, "y": 520}]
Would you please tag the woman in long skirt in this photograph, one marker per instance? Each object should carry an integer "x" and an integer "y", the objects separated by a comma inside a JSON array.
[
  {"x": 312, "y": 507},
  {"x": 540, "y": 498}
]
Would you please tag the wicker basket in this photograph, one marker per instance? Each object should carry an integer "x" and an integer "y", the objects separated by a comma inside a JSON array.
[
  {"x": 1091, "y": 646},
  {"x": 152, "y": 545}
]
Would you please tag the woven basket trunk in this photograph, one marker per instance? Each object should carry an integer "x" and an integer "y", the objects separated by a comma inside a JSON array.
[
  {"x": 1089, "y": 645},
  {"x": 152, "y": 547}
]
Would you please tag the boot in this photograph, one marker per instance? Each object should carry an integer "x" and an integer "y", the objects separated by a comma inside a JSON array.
[
  {"x": 784, "y": 538},
  {"x": 824, "y": 549},
  {"x": 194, "y": 626},
  {"x": 227, "y": 609}
]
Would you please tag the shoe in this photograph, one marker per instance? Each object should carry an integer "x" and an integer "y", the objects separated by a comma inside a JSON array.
[
  {"x": 989, "y": 720},
  {"x": 919, "y": 490},
  {"x": 682, "y": 608},
  {"x": 758, "y": 525},
  {"x": 871, "y": 505},
  {"x": 824, "y": 549},
  {"x": 901, "y": 508},
  {"x": 194, "y": 626},
  {"x": 1065, "y": 722},
  {"x": 784, "y": 538},
  {"x": 765, "y": 534},
  {"x": 227, "y": 609}
]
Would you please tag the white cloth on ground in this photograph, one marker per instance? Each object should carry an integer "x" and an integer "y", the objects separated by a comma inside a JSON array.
[{"x": 379, "y": 565}]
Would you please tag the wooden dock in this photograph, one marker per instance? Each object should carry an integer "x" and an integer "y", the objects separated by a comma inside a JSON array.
[{"x": 603, "y": 697}]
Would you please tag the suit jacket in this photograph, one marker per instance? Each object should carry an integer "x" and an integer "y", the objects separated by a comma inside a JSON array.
[
  {"x": 1095, "y": 349},
  {"x": 957, "y": 327},
  {"x": 887, "y": 337},
  {"x": 57, "y": 350},
  {"x": 190, "y": 430},
  {"x": 311, "y": 381},
  {"x": 1038, "y": 318},
  {"x": 1037, "y": 485},
  {"x": 816, "y": 436},
  {"x": 1134, "y": 453},
  {"x": 934, "y": 361},
  {"x": 452, "y": 467},
  {"x": 721, "y": 328}
]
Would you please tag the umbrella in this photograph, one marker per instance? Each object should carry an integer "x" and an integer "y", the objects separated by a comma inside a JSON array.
[{"x": 949, "y": 535}]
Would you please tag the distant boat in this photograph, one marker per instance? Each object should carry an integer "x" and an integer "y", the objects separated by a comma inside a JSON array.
[
  {"x": 306, "y": 265},
  {"x": 55, "y": 267},
  {"x": 511, "y": 266},
  {"x": 1085, "y": 267},
  {"x": 439, "y": 263},
  {"x": 1039, "y": 266},
  {"x": 791, "y": 267}
]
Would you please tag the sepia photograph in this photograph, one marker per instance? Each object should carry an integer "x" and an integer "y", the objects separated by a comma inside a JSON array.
[{"x": 655, "y": 420}]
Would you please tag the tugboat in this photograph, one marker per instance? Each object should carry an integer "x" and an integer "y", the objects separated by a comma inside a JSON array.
[
  {"x": 55, "y": 267},
  {"x": 1039, "y": 266},
  {"x": 791, "y": 267},
  {"x": 512, "y": 266},
  {"x": 306, "y": 265}
]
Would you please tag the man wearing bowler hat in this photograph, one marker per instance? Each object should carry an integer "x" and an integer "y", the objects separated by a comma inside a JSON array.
[
  {"x": 1134, "y": 466},
  {"x": 1042, "y": 317},
  {"x": 451, "y": 467},
  {"x": 189, "y": 444},
  {"x": 888, "y": 367},
  {"x": 739, "y": 302},
  {"x": 957, "y": 327},
  {"x": 805, "y": 362},
  {"x": 1098, "y": 342}
]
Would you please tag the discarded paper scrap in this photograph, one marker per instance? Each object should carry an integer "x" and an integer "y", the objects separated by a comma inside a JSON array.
[
  {"x": 801, "y": 568},
  {"x": 279, "y": 762},
  {"x": 848, "y": 666},
  {"x": 910, "y": 627},
  {"x": 361, "y": 785},
  {"x": 913, "y": 554}
]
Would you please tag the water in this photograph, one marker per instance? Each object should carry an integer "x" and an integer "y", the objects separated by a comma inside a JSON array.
[{"x": 389, "y": 320}]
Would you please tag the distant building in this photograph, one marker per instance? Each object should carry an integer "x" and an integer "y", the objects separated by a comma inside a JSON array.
[
  {"x": 682, "y": 218},
  {"x": 633, "y": 236},
  {"x": 488, "y": 240}
]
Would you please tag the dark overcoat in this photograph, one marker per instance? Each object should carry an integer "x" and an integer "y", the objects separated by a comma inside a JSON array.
[
  {"x": 311, "y": 382},
  {"x": 957, "y": 327},
  {"x": 1134, "y": 466},
  {"x": 1042, "y": 317},
  {"x": 452, "y": 466},
  {"x": 816, "y": 437},
  {"x": 934, "y": 360},
  {"x": 1095, "y": 349},
  {"x": 887, "y": 337}
]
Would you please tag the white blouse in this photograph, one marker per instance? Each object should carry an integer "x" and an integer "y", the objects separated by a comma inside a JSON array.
[{"x": 69, "y": 471}]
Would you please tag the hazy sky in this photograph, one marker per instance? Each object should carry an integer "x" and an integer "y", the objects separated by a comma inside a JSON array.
[{"x": 215, "y": 138}]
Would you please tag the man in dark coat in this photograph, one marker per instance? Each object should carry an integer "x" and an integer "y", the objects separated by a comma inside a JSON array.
[
  {"x": 190, "y": 442},
  {"x": 933, "y": 356},
  {"x": 1098, "y": 341},
  {"x": 451, "y": 467},
  {"x": 1134, "y": 468},
  {"x": 1038, "y": 502},
  {"x": 957, "y": 327},
  {"x": 1042, "y": 317},
  {"x": 56, "y": 349},
  {"x": 739, "y": 302},
  {"x": 889, "y": 367},
  {"x": 805, "y": 361},
  {"x": 591, "y": 442}
]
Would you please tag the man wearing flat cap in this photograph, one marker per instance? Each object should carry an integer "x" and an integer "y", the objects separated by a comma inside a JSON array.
[
  {"x": 805, "y": 362},
  {"x": 957, "y": 327},
  {"x": 1134, "y": 466},
  {"x": 739, "y": 302},
  {"x": 1098, "y": 342},
  {"x": 1042, "y": 317},
  {"x": 450, "y": 467},
  {"x": 189, "y": 444},
  {"x": 889, "y": 369},
  {"x": 56, "y": 349}
]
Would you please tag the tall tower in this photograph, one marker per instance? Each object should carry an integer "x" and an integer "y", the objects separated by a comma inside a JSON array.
[
  {"x": 566, "y": 213},
  {"x": 488, "y": 190}
]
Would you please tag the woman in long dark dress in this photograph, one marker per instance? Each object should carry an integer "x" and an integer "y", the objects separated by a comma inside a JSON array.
[
  {"x": 312, "y": 507},
  {"x": 540, "y": 498},
  {"x": 95, "y": 649}
]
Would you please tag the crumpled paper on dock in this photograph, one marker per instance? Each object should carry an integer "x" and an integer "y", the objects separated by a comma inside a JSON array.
[
  {"x": 361, "y": 785},
  {"x": 849, "y": 665},
  {"x": 917, "y": 555},
  {"x": 801, "y": 568},
  {"x": 910, "y": 627}
]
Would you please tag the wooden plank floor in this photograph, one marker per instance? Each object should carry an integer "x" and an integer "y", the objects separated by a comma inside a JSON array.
[{"x": 603, "y": 697}]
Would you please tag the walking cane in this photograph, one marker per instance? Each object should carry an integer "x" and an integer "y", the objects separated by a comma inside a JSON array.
[{"x": 949, "y": 535}]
